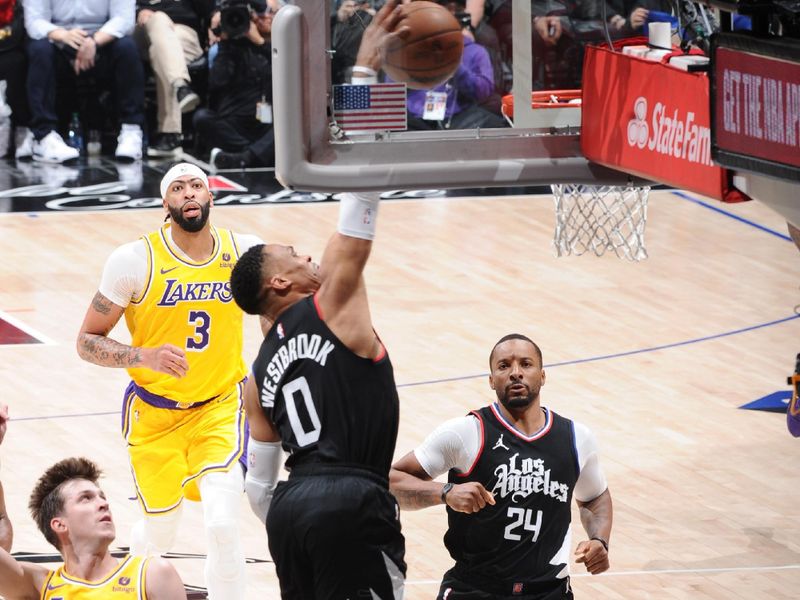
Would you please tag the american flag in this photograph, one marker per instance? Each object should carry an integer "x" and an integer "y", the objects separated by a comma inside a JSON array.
[{"x": 377, "y": 106}]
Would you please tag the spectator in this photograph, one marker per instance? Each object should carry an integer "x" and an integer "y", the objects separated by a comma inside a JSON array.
[
  {"x": 485, "y": 35},
  {"x": 171, "y": 31},
  {"x": 347, "y": 27},
  {"x": 638, "y": 13},
  {"x": 69, "y": 39},
  {"x": 238, "y": 124},
  {"x": 561, "y": 29},
  {"x": 13, "y": 71},
  {"x": 451, "y": 105},
  {"x": 456, "y": 103}
]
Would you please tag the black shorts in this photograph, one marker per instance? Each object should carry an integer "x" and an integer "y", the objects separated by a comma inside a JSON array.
[
  {"x": 334, "y": 533},
  {"x": 457, "y": 589}
]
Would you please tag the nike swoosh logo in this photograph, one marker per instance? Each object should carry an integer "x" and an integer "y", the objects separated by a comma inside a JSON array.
[
  {"x": 165, "y": 271},
  {"x": 51, "y": 587}
]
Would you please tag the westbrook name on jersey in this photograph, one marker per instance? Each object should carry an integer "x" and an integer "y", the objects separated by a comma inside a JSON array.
[{"x": 329, "y": 404}]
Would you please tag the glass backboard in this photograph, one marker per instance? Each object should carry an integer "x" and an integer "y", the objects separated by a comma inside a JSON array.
[{"x": 529, "y": 147}]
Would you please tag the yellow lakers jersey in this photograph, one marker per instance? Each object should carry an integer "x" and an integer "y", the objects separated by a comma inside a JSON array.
[
  {"x": 127, "y": 582},
  {"x": 190, "y": 305}
]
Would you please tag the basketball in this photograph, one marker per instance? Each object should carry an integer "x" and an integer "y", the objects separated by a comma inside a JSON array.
[{"x": 431, "y": 53}]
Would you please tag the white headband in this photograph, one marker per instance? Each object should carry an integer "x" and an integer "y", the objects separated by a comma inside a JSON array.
[{"x": 178, "y": 171}]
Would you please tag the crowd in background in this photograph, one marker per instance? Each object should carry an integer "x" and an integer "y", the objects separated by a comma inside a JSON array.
[
  {"x": 154, "y": 78},
  {"x": 137, "y": 78},
  {"x": 560, "y": 31}
]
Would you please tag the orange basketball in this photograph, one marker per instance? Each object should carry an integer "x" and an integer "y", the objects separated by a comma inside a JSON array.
[{"x": 431, "y": 53}]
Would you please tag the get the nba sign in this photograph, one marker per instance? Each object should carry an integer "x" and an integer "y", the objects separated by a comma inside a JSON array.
[{"x": 757, "y": 106}]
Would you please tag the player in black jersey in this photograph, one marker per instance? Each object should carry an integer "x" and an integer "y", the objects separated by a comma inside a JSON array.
[
  {"x": 324, "y": 387},
  {"x": 513, "y": 468}
]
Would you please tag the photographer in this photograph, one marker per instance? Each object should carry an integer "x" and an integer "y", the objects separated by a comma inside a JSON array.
[{"x": 238, "y": 124}]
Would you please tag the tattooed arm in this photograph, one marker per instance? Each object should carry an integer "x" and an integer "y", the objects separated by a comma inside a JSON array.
[
  {"x": 125, "y": 276},
  {"x": 413, "y": 488},
  {"x": 452, "y": 446},
  {"x": 96, "y": 347}
]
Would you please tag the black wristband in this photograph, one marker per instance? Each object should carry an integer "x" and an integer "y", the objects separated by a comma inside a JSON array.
[
  {"x": 445, "y": 489},
  {"x": 602, "y": 541}
]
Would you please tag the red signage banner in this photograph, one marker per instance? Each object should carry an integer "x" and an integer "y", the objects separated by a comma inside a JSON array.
[
  {"x": 651, "y": 120},
  {"x": 757, "y": 106}
]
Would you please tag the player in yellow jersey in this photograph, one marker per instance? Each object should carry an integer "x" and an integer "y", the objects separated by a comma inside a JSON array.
[
  {"x": 182, "y": 412},
  {"x": 73, "y": 514},
  {"x": 6, "y": 531}
]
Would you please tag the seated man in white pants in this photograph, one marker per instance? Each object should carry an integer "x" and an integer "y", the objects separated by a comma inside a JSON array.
[{"x": 170, "y": 29}]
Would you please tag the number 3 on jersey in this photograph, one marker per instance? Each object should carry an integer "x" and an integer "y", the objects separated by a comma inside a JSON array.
[
  {"x": 201, "y": 321},
  {"x": 523, "y": 517}
]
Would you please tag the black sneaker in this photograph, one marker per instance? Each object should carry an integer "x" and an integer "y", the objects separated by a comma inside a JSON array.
[
  {"x": 167, "y": 145},
  {"x": 230, "y": 160},
  {"x": 187, "y": 99}
]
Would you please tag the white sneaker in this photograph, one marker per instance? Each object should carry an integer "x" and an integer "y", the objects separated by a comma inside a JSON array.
[
  {"x": 52, "y": 149},
  {"x": 23, "y": 138},
  {"x": 129, "y": 142}
]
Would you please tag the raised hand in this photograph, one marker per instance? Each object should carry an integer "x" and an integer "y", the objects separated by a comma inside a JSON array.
[{"x": 382, "y": 28}]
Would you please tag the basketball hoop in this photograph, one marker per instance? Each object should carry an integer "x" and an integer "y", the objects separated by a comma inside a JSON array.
[
  {"x": 600, "y": 218},
  {"x": 593, "y": 218}
]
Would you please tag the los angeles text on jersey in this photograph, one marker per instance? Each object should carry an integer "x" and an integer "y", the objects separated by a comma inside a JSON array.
[
  {"x": 529, "y": 477},
  {"x": 295, "y": 348},
  {"x": 195, "y": 292}
]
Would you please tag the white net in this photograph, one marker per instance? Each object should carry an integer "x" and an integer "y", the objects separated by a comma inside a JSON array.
[{"x": 597, "y": 219}]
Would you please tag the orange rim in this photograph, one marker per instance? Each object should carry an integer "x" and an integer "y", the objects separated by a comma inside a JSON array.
[{"x": 544, "y": 99}]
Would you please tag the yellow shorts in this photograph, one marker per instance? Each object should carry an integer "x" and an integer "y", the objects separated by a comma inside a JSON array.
[{"x": 170, "y": 449}]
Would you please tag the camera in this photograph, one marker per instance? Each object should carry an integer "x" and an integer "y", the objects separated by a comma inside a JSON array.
[{"x": 234, "y": 18}]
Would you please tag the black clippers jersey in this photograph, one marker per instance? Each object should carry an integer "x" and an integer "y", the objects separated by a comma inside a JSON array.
[
  {"x": 532, "y": 479},
  {"x": 328, "y": 404}
]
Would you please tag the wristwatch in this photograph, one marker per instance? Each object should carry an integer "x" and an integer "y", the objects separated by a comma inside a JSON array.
[{"x": 445, "y": 489}]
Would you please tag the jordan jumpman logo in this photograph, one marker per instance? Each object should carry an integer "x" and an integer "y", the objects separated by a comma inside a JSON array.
[{"x": 500, "y": 444}]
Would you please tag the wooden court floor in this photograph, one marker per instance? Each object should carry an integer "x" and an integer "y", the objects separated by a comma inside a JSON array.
[{"x": 655, "y": 357}]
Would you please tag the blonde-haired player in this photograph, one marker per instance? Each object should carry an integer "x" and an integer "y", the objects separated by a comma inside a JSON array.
[
  {"x": 73, "y": 514},
  {"x": 182, "y": 412}
]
